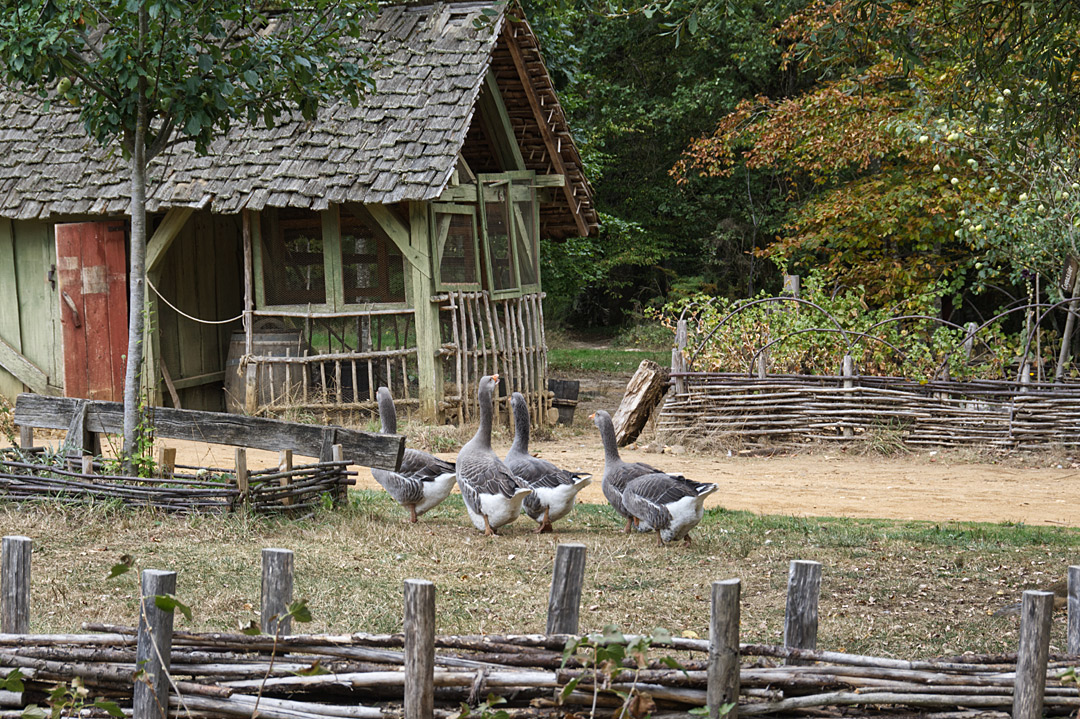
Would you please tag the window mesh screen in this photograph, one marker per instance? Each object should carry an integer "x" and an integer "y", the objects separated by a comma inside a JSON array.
[
  {"x": 525, "y": 233},
  {"x": 294, "y": 272},
  {"x": 498, "y": 237},
  {"x": 373, "y": 269},
  {"x": 457, "y": 234}
]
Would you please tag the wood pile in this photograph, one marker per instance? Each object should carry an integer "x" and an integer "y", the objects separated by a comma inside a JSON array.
[
  {"x": 35, "y": 474},
  {"x": 362, "y": 675},
  {"x": 796, "y": 409}
]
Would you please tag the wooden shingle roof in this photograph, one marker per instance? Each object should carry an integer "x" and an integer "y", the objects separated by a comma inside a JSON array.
[{"x": 400, "y": 143}]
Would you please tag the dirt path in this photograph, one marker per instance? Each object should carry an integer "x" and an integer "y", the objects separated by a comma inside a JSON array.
[{"x": 935, "y": 488}]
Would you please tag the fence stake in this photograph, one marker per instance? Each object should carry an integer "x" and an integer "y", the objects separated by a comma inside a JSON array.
[
  {"x": 847, "y": 369},
  {"x": 242, "y": 474},
  {"x": 285, "y": 464},
  {"x": 26, "y": 437},
  {"x": 277, "y": 591},
  {"x": 723, "y": 673},
  {"x": 341, "y": 492},
  {"x": 166, "y": 460},
  {"x": 15, "y": 585},
  {"x": 87, "y": 464},
  {"x": 678, "y": 360},
  {"x": 419, "y": 649},
  {"x": 567, "y": 578},
  {"x": 1035, "y": 611},
  {"x": 1074, "y": 610},
  {"x": 801, "y": 614},
  {"x": 153, "y": 650}
]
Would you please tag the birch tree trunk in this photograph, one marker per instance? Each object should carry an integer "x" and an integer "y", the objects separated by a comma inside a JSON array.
[{"x": 137, "y": 275}]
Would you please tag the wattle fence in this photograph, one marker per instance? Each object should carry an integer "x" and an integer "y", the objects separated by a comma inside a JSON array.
[{"x": 151, "y": 671}]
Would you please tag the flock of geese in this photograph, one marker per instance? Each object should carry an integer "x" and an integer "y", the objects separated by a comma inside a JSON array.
[{"x": 496, "y": 491}]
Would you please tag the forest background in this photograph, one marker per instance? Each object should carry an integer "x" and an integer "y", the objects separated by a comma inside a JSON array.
[{"x": 921, "y": 155}]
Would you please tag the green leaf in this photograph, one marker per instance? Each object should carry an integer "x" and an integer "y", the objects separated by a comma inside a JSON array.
[
  {"x": 314, "y": 670},
  {"x": 122, "y": 567},
  {"x": 612, "y": 634},
  {"x": 569, "y": 688},
  {"x": 252, "y": 629},
  {"x": 169, "y": 603},
  {"x": 13, "y": 681},
  {"x": 34, "y": 712},
  {"x": 299, "y": 611},
  {"x": 110, "y": 708}
]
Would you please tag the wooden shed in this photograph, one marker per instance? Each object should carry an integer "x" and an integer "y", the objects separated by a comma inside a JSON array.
[{"x": 303, "y": 266}]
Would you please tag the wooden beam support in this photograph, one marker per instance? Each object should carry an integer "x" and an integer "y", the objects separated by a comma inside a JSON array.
[
  {"x": 500, "y": 130},
  {"x": 426, "y": 315},
  {"x": 199, "y": 380},
  {"x": 25, "y": 371},
  {"x": 550, "y": 181},
  {"x": 363, "y": 448},
  {"x": 163, "y": 237},
  {"x": 549, "y": 139},
  {"x": 398, "y": 232}
]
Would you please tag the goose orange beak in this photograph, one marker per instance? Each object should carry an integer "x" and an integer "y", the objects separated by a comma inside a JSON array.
[{"x": 495, "y": 377}]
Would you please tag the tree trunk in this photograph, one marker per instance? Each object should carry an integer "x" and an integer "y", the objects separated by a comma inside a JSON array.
[{"x": 137, "y": 275}]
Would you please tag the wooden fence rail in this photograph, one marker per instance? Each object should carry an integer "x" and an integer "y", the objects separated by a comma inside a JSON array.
[
  {"x": 420, "y": 675},
  {"x": 796, "y": 409}
]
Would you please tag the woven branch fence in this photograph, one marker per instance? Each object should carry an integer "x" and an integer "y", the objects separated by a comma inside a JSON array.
[
  {"x": 25, "y": 475},
  {"x": 417, "y": 674},
  {"x": 797, "y": 409}
]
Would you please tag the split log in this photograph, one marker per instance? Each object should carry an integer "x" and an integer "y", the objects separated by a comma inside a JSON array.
[{"x": 643, "y": 393}]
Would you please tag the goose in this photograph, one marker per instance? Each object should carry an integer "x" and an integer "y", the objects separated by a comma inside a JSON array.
[
  {"x": 492, "y": 494},
  {"x": 423, "y": 480},
  {"x": 618, "y": 473},
  {"x": 670, "y": 505},
  {"x": 553, "y": 489}
]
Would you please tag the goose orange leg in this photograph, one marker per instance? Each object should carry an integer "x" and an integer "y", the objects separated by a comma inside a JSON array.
[
  {"x": 545, "y": 526},
  {"x": 412, "y": 513},
  {"x": 629, "y": 525},
  {"x": 488, "y": 531}
]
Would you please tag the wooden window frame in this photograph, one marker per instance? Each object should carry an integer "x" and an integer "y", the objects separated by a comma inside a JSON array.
[{"x": 450, "y": 208}]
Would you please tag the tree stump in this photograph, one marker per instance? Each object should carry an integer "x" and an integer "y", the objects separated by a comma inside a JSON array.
[{"x": 643, "y": 393}]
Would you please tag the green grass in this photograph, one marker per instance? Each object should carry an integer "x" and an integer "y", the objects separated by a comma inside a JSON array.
[
  {"x": 612, "y": 361},
  {"x": 907, "y": 589}
]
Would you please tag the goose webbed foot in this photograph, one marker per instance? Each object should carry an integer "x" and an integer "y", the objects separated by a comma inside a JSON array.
[
  {"x": 686, "y": 541},
  {"x": 629, "y": 525},
  {"x": 489, "y": 531},
  {"x": 545, "y": 524},
  {"x": 412, "y": 514},
  {"x": 659, "y": 539}
]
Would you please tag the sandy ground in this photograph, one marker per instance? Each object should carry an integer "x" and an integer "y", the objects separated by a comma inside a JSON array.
[{"x": 936, "y": 488}]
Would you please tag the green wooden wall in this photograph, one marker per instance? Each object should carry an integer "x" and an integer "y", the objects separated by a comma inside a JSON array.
[{"x": 29, "y": 313}]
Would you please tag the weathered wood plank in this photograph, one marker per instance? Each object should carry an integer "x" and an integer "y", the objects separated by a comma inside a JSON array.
[
  {"x": 801, "y": 616},
  {"x": 419, "y": 630},
  {"x": 1032, "y": 657},
  {"x": 643, "y": 393},
  {"x": 154, "y": 648},
  {"x": 277, "y": 591},
  {"x": 24, "y": 370},
  {"x": 363, "y": 448},
  {"x": 9, "y": 297},
  {"x": 170, "y": 227}
]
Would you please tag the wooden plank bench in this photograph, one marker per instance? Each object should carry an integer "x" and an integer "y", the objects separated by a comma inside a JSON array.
[{"x": 83, "y": 418}]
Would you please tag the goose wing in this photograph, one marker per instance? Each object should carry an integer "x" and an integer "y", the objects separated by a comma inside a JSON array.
[
  {"x": 623, "y": 473},
  {"x": 423, "y": 466},
  {"x": 405, "y": 490},
  {"x": 486, "y": 474},
  {"x": 540, "y": 473},
  {"x": 648, "y": 497}
]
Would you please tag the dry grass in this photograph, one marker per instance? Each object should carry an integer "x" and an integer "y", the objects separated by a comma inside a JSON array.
[{"x": 893, "y": 588}]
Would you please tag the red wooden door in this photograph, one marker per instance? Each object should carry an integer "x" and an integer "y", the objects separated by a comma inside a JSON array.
[{"x": 91, "y": 261}]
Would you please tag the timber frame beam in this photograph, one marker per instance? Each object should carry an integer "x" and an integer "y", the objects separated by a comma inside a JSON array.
[
  {"x": 25, "y": 371},
  {"x": 550, "y": 140}
]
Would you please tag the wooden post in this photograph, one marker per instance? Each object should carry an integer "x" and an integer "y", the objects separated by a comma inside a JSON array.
[
  {"x": 285, "y": 465},
  {"x": 763, "y": 365},
  {"x": 419, "y": 649},
  {"x": 723, "y": 671},
  {"x": 153, "y": 650},
  {"x": 801, "y": 615},
  {"x": 277, "y": 591},
  {"x": 26, "y": 437},
  {"x": 678, "y": 359},
  {"x": 848, "y": 372},
  {"x": 166, "y": 461},
  {"x": 15, "y": 585},
  {"x": 1031, "y": 660},
  {"x": 567, "y": 578},
  {"x": 337, "y": 454},
  {"x": 242, "y": 474},
  {"x": 420, "y": 287},
  {"x": 87, "y": 465},
  {"x": 1073, "y": 643}
]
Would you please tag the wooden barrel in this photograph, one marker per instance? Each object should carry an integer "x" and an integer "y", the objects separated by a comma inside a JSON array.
[
  {"x": 276, "y": 384},
  {"x": 566, "y": 398}
]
